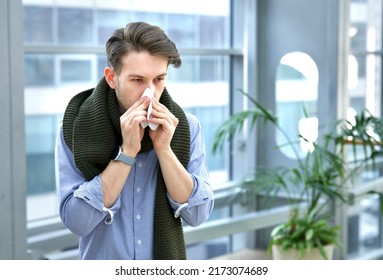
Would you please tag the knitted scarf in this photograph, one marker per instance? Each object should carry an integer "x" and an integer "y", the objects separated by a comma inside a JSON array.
[{"x": 91, "y": 128}]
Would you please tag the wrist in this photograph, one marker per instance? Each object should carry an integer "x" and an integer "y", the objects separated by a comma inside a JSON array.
[
  {"x": 128, "y": 151},
  {"x": 164, "y": 153},
  {"x": 119, "y": 155}
]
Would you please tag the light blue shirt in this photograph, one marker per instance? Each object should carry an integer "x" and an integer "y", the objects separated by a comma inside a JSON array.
[{"x": 125, "y": 231}]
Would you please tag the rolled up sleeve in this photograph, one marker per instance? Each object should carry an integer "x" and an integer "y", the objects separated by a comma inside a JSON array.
[
  {"x": 201, "y": 201},
  {"x": 81, "y": 202}
]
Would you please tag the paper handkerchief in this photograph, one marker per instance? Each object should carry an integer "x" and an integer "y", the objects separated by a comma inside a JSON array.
[{"x": 153, "y": 126}]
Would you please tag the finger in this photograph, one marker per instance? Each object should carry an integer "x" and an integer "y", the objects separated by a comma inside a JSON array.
[
  {"x": 161, "y": 111},
  {"x": 140, "y": 104},
  {"x": 133, "y": 113},
  {"x": 159, "y": 106},
  {"x": 164, "y": 118}
]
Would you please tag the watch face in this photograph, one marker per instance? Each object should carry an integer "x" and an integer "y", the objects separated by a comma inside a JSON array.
[{"x": 115, "y": 152}]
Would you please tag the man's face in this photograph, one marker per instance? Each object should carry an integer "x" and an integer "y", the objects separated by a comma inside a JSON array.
[{"x": 140, "y": 70}]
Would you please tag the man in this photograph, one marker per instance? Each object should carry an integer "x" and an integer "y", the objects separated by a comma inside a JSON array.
[{"x": 123, "y": 187}]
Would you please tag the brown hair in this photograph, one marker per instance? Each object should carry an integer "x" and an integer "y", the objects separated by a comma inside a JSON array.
[{"x": 140, "y": 36}]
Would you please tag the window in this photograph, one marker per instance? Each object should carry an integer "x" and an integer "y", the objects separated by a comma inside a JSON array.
[
  {"x": 75, "y": 26},
  {"x": 65, "y": 54},
  {"x": 296, "y": 95},
  {"x": 201, "y": 87},
  {"x": 38, "y": 25},
  {"x": 76, "y": 69},
  {"x": 40, "y": 141},
  {"x": 365, "y": 55},
  {"x": 365, "y": 91},
  {"x": 104, "y": 28},
  {"x": 182, "y": 30},
  {"x": 38, "y": 70}
]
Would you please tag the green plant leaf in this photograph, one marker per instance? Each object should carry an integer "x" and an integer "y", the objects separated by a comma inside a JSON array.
[{"x": 309, "y": 234}]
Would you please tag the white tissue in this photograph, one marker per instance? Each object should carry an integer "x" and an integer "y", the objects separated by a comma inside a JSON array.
[
  {"x": 148, "y": 92},
  {"x": 153, "y": 126}
]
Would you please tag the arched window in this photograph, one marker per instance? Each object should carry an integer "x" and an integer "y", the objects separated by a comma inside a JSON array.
[{"x": 296, "y": 87}]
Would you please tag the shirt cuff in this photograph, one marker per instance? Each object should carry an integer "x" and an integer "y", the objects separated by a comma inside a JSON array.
[
  {"x": 109, "y": 215},
  {"x": 198, "y": 196},
  {"x": 179, "y": 209},
  {"x": 91, "y": 193}
]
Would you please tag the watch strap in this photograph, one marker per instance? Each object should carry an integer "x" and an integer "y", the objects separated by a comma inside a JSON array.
[{"x": 124, "y": 158}]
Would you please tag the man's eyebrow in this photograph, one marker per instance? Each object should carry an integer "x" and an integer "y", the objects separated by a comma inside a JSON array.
[
  {"x": 142, "y": 77},
  {"x": 135, "y": 76}
]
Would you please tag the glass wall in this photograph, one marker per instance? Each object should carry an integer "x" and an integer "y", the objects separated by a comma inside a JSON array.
[
  {"x": 64, "y": 54},
  {"x": 365, "y": 224}
]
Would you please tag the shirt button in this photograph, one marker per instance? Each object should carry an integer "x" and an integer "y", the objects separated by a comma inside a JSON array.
[
  {"x": 138, "y": 189},
  {"x": 138, "y": 216},
  {"x": 140, "y": 164},
  {"x": 139, "y": 242}
]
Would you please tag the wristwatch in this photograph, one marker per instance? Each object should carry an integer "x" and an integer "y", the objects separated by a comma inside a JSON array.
[{"x": 120, "y": 156}]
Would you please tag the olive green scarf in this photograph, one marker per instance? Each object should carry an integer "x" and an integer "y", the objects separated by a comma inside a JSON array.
[{"x": 91, "y": 128}]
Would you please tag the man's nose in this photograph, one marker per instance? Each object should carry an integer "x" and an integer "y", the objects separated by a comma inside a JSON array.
[{"x": 152, "y": 87}]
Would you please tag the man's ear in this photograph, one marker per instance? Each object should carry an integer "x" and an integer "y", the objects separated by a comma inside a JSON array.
[{"x": 110, "y": 77}]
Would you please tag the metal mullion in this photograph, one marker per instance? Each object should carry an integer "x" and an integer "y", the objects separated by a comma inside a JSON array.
[{"x": 31, "y": 49}]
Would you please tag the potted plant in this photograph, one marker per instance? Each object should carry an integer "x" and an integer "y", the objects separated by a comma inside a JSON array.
[{"x": 319, "y": 179}]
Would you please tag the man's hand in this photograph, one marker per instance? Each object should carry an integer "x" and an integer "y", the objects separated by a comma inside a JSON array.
[
  {"x": 132, "y": 131},
  {"x": 167, "y": 122}
]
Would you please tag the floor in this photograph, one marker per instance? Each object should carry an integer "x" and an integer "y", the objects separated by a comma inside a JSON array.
[{"x": 245, "y": 254}]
